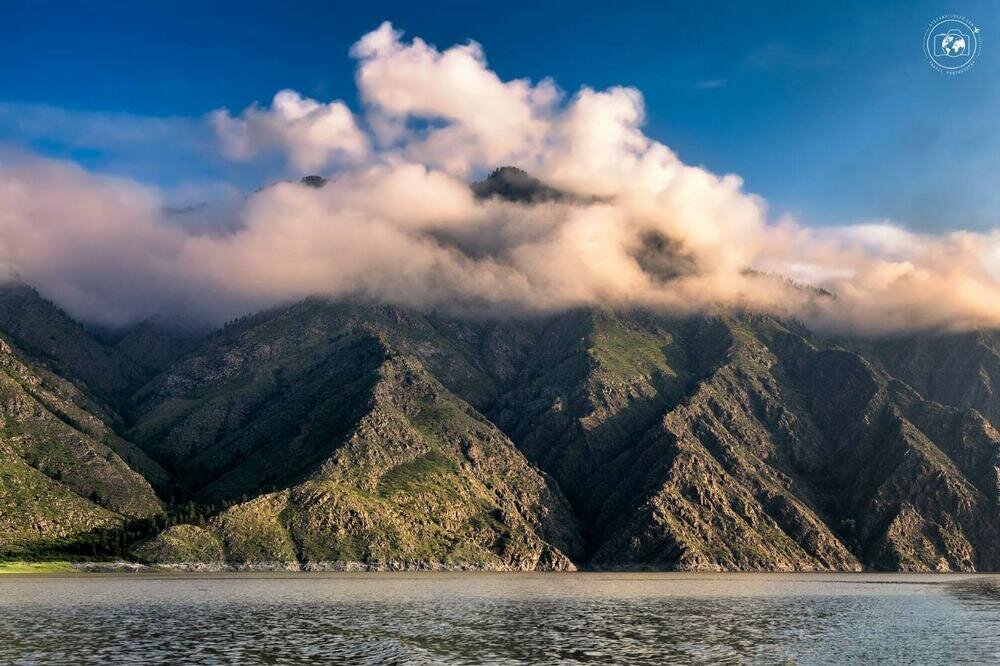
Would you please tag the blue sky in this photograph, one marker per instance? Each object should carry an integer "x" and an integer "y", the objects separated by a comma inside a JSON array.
[{"x": 829, "y": 111}]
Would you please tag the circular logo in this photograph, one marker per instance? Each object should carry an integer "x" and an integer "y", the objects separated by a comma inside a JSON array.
[{"x": 952, "y": 43}]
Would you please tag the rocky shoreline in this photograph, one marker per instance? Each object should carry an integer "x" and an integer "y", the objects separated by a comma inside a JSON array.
[{"x": 123, "y": 566}]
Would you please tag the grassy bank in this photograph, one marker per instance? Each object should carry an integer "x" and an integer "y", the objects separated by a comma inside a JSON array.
[{"x": 35, "y": 567}]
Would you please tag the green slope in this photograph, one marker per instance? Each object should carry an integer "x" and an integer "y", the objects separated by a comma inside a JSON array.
[
  {"x": 420, "y": 479},
  {"x": 361, "y": 454}
]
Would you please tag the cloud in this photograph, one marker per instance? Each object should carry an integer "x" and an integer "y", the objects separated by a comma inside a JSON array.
[
  {"x": 781, "y": 57},
  {"x": 398, "y": 223},
  {"x": 309, "y": 132},
  {"x": 711, "y": 84},
  {"x": 484, "y": 120},
  {"x": 162, "y": 149},
  {"x": 94, "y": 244},
  {"x": 83, "y": 129}
]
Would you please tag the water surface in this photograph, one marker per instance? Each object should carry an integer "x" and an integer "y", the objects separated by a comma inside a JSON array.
[{"x": 457, "y": 618}]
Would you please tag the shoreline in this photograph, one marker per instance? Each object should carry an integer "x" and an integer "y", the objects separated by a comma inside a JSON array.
[{"x": 130, "y": 567}]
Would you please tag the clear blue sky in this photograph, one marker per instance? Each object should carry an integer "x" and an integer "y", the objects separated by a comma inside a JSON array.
[{"x": 828, "y": 110}]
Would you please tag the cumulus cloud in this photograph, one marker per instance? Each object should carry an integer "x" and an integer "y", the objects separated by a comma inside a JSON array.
[
  {"x": 309, "y": 132},
  {"x": 398, "y": 223},
  {"x": 486, "y": 120}
]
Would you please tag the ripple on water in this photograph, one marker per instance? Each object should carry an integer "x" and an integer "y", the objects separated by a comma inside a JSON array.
[{"x": 499, "y": 618}]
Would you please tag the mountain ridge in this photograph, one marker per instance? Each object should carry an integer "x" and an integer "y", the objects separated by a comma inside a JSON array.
[{"x": 740, "y": 442}]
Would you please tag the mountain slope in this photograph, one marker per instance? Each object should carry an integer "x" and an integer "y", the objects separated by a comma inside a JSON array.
[
  {"x": 253, "y": 385},
  {"x": 39, "y": 515},
  {"x": 422, "y": 480},
  {"x": 52, "y": 338},
  {"x": 956, "y": 369},
  {"x": 330, "y": 434},
  {"x": 63, "y": 472},
  {"x": 370, "y": 458},
  {"x": 767, "y": 462},
  {"x": 700, "y": 443},
  {"x": 153, "y": 347}
]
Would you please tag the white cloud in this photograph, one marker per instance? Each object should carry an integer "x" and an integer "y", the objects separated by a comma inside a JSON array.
[
  {"x": 311, "y": 133},
  {"x": 398, "y": 223},
  {"x": 711, "y": 84},
  {"x": 486, "y": 120}
]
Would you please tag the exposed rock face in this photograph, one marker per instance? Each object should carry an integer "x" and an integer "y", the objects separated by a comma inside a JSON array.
[
  {"x": 748, "y": 445},
  {"x": 345, "y": 436},
  {"x": 956, "y": 369}
]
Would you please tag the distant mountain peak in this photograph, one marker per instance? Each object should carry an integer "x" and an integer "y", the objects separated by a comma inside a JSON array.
[
  {"x": 513, "y": 184},
  {"x": 313, "y": 181}
]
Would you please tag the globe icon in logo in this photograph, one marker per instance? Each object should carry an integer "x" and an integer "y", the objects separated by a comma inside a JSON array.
[{"x": 951, "y": 44}]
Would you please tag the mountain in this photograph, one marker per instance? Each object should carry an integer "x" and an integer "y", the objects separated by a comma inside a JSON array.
[
  {"x": 740, "y": 442},
  {"x": 513, "y": 184},
  {"x": 333, "y": 435},
  {"x": 746, "y": 443},
  {"x": 367, "y": 457},
  {"x": 328, "y": 434},
  {"x": 420, "y": 479}
]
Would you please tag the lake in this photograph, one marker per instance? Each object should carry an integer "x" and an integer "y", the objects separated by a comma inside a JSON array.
[{"x": 458, "y": 618}]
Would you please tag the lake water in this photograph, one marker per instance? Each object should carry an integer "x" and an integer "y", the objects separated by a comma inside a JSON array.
[{"x": 499, "y": 618}]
